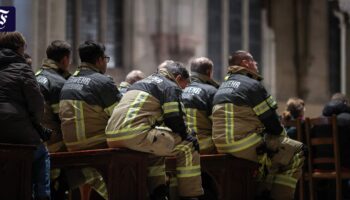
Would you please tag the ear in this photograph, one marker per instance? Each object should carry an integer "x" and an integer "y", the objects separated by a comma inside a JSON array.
[
  {"x": 245, "y": 63},
  {"x": 178, "y": 78}
]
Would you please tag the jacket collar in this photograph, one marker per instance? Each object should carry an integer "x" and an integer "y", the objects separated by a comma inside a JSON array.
[
  {"x": 164, "y": 72},
  {"x": 85, "y": 65},
  {"x": 242, "y": 70},
  {"x": 197, "y": 77},
  {"x": 51, "y": 64}
]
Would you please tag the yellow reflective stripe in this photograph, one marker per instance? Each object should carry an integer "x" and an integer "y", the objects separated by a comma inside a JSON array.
[
  {"x": 192, "y": 171},
  {"x": 55, "y": 108},
  {"x": 239, "y": 145},
  {"x": 170, "y": 107},
  {"x": 188, "y": 153},
  {"x": 109, "y": 110},
  {"x": 156, "y": 170},
  {"x": 205, "y": 143},
  {"x": 271, "y": 102},
  {"x": 38, "y": 72},
  {"x": 261, "y": 108},
  {"x": 191, "y": 118},
  {"x": 229, "y": 122},
  {"x": 76, "y": 73},
  {"x": 79, "y": 120},
  {"x": 286, "y": 181},
  {"x": 134, "y": 108}
]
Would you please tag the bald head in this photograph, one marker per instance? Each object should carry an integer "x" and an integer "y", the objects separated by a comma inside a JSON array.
[
  {"x": 134, "y": 75},
  {"x": 202, "y": 65}
]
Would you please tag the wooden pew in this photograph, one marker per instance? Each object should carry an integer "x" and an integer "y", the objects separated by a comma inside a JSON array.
[
  {"x": 16, "y": 171},
  {"x": 124, "y": 171},
  {"x": 233, "y": 178}
]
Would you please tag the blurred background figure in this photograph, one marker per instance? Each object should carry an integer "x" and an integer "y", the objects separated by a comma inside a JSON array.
[
  {"x": 295, "y": 109},
  {"x": 131, "y": 78}
]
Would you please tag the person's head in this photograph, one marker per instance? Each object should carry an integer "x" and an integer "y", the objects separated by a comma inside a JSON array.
[
  {"x": 94, "y": 53},
  {"x": 295, "y": 109},
  {"x": 164, "y": 64},
  {"x": 29, "y": 60},
  {"x": 179, "y": 72},
  {"x": 243, "y": 59},
  {"x": 14, "y": 41},
  {"x": 133, "y": 76},
  {"x": 203, "y": 66},
  {"x": 60, "y": 52},
  {"x": 340, "y": 97}
]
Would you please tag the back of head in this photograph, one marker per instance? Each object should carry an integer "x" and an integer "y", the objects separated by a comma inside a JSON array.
[
  {"x": 164, "y": 64},
  {"x": 177, "y": 68},
  {"x": 58, "y": 49},
  {"x": 12, "y": 40},
  {"x": 340, "y": 97},
  {"x": 134, "y": 75},
  {"x": 201, "y": 65},
  {"x": 237, "y": 57},
  {"x": 294, "y": 109},
  {"x": 90, "y": 51}
]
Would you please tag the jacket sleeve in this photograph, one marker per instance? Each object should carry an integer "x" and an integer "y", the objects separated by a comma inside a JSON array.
[
  {"x": 265, "y": 107},
  {"x": 173, "y": 111},
  {"x": 32, "y": 95},
  {"x": 110, "y": 96}
]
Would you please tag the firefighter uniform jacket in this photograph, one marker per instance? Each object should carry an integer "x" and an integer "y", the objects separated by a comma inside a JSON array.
[
  {"x": 148, "y": 103},
  {"x": 51, "y": 80},
  {"x": 198, "y": 101},
  {"x": 242, "y": 111},
  {"x": 86, "y": 103}
]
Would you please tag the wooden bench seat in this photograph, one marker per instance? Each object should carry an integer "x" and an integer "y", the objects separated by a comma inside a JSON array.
[
  {"x": 233, "y": 178},
  {"x": 124, "y": 171},
  {"x": 16, "y": 171}
]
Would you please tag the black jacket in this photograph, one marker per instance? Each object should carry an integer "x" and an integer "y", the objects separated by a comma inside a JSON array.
[
  {"x": 21, "y": 103},
  {"x": 342, "y": 111}
]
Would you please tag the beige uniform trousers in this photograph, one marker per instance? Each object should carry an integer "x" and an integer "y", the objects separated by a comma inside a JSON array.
[
  {"x": 279, "y": 173},
  {"x": 160, "y": 142}
]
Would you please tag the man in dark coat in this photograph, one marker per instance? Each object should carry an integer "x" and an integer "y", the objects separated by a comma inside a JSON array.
[{"x": 21, "y": 108}]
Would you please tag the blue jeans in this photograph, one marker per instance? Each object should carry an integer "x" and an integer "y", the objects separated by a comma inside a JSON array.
[{"x": 41, "y": 173}]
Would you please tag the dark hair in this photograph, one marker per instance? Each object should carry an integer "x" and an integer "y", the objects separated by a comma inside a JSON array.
[
  {"x": 177, "y": 68},
  {"x": 12, "y": 40},
  {"x": 58, "y": 49},
  {"x": 237, "y": 57},
  {"x": 90, "y": 51},
  {"x": 201, "y": 65},
  {"x": 27, "y": 56},
  {"x": 294, "y": 109}
]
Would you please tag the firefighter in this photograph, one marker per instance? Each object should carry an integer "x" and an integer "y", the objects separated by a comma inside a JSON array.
[
  {"x": 51, "y": 78},
  {"x": 198, "y": 101},
  {"x": 246, "y": 125},
  {"x": 148, "y": 104},
  {"x": 131, "y": 78},
  {"x": 86, "y": 103}
]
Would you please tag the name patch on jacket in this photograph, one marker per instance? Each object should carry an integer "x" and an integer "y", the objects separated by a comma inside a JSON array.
[
  {"x": 152, "y": 79},
  {"x": 42, "y": 80},
  {"x": 77, "y": 83},
  {"x": 193, "y": 90}
]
